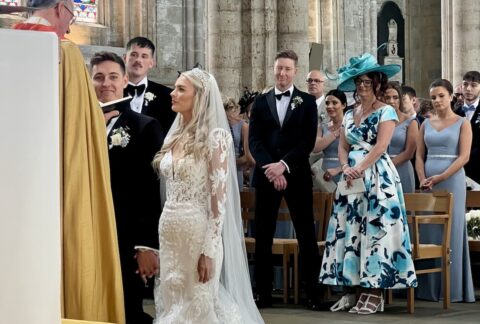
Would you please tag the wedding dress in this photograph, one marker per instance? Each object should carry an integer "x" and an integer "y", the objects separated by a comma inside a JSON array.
[
  {"x": 201, "y": 215},
  {"x": 187, "y": 229}
]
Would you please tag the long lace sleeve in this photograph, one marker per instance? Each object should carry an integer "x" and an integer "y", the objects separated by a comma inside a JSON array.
[{"x": 220, "y": 145}]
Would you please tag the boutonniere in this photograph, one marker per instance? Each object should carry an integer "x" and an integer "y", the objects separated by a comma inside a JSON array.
[
  {"x": 120, "y": 137},
  {"x": 478, "y": 119},
  {"x": 149, "y": 97},
  {"x": 296, "y": 101}
]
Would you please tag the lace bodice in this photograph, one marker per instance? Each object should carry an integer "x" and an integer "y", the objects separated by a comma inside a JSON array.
[{"x": 201, "y": 185}]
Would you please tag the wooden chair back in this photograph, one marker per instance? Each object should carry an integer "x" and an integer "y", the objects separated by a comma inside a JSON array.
[
  {"x": 473, "y": 200},
  {"x": 322, "y": 210},
  {"x": 430, "y": 208}
]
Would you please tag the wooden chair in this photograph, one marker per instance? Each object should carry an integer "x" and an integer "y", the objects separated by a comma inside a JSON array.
[
  {"x": 473, "y": 202},
  {"x": 430, "y": 208},
  {"x": 322, "y": 210},
  {"x": 285, "y": 247}
]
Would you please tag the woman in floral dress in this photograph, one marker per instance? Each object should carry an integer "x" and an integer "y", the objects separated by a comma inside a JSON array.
[{"x": 368, "y": 243}]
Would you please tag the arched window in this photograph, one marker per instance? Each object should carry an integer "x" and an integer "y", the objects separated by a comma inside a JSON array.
[{"x": 85, "y": 10}]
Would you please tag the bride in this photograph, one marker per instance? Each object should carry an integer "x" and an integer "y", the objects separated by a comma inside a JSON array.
[{"x": 203, "y": 267}]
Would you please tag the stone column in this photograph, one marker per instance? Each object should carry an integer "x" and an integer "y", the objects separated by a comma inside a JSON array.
[
  {"x": 180, "y": 38},
  {"x": 224, "y": 47},
  {"x": 292, "y": 33},
  {"x": 254, "y": 30},
  {"x": 271, "y": 40},
  {"x": 460, "y": 47}
]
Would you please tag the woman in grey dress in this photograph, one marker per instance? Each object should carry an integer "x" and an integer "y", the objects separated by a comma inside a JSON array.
[
  {"x": 328, "y": 135},
  {"x": 239, "y": 130},
  {"x": 447, "y": 138},
  {"x": 403, "y": 144}
]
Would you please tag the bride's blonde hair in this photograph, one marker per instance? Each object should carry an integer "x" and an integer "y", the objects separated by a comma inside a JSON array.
[{"x": 192, "y": 135}]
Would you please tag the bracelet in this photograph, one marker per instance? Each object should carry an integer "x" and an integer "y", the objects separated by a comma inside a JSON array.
[{"x": 344, "y": 166}]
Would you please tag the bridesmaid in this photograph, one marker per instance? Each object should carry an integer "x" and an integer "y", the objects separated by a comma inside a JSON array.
[
  {"x": 403, "y": 144},
  {"x": 328, "y": 134},
  {"x": 447, "y": 138}
]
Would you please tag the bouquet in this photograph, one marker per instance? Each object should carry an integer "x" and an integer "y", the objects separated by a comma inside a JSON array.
[{"x": 473, "y": 224}]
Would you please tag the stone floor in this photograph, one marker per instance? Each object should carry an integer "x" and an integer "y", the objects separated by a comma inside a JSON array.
[
  {"x": 425, "y": 312},
  {"x": 396, "y": 313}
]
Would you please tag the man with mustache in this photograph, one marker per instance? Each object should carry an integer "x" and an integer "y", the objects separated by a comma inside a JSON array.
[{"x": 149, "y": 98}]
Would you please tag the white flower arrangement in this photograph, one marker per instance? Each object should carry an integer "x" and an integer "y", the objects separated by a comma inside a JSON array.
[
  {"x": 120, "y": 137},
  {"x": 296, "y": 101},
  {"x": 149, "y": 97},
  {"x": 473, "y": 224}
]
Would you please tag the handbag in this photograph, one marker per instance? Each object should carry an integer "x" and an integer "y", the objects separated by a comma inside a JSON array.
[
  {"x": 356, "y": 186},
  {"x": 318, "y": 181}
]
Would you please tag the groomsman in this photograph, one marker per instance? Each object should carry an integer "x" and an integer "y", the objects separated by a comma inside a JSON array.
[
  {"x": 149, "y": 98},
  {"x": 471, "y": 111},
  {"x": 133, "y": 140},
  {"x": 283, "y": 127}
]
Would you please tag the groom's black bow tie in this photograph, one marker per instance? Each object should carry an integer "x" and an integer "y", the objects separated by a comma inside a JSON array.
[
  {"x": 286, "y": 94},
  {"x": 135, "y": 90}
]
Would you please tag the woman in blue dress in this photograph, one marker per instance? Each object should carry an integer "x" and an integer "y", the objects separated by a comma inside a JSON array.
[
  {"x": 404, "y": 140},
  {"x": 447, "y": 138},
  {"x": 328, "y": 135},
  {"x": 368, "y": 243}
]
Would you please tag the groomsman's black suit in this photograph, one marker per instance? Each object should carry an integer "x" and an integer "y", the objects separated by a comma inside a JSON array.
[
  {"x": 160, "y": 107},
  {"x": 269, "y": 142},
  {"x": 472, "y": 168},
  {"x": 136, "y": 198}
]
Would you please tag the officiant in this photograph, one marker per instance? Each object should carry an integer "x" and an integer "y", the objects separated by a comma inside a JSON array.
[{"x": 133, "y": 139}]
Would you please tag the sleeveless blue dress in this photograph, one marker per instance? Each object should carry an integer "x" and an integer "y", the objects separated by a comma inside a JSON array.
[
  {"x": 442, "y": 147},
  {"x": 397, "y": 146},
  {"x": 330, "y": 154},
  {"x": 368, "y": 243}
]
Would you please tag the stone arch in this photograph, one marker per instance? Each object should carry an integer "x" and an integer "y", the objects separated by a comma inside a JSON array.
[{"x": 390, "y": 10}]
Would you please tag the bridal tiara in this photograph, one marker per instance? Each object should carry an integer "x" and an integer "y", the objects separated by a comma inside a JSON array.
[{"x": 201, "y": 75}]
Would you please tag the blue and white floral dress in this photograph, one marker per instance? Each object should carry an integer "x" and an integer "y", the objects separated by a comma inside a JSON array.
[{"x": 368, "y": 243}]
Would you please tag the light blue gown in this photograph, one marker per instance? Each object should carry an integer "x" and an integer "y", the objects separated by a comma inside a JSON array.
[
  {"x": 368, "y": 243},
  {"x": 442, "y": 147},
  {"x": 330, "y": 154},
  {"x": 397, "y": 146}
]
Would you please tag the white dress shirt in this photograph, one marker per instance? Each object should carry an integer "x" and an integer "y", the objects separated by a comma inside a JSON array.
[
  {"x": 282, "y": 104},
  {"x": 469, "y": 114},
  {"x": 137, "y": 102}
]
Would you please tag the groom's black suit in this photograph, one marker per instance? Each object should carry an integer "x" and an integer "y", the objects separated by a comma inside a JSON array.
[
  {"x": 472, "y": 169},
  {"x": 136, "y": 199},
  {"x": 160, "y": 107},
  {"x": 292, "y": 142}
]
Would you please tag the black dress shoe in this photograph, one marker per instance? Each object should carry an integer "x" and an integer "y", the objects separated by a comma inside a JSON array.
[
  {"x": 263, "y": 301},
  {"x": 319, "y": 305}
]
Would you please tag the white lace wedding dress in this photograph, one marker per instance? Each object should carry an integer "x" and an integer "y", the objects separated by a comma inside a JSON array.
[{"x": 191, "y": 225}]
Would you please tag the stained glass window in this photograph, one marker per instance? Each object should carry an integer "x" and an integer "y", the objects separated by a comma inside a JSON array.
[
  {"x": 85, "y": 10},
  {"x": 9, "y": 2}
]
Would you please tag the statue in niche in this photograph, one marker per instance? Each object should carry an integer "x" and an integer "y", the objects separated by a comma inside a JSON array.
[{"x": 392, "y": 31}]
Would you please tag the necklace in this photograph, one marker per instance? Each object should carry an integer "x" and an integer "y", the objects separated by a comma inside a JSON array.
[{"x": 365, "y": 113}]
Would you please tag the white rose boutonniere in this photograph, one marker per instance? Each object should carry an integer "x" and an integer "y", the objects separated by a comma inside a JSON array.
[
  {"x": 473, "y": 224},
  {"x": 149, "y": 97},
  {"x": 120, "y": 137},
  {"x": 296, "y": 101}
]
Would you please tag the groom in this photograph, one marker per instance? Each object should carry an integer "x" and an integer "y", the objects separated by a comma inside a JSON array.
[
  {"x": 283, "y": 127},
  {"x": 133, "y": 141}
]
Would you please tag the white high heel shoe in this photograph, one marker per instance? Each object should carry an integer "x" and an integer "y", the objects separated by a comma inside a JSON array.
[
  {"x": 345, "y": 303},
  {"x": 370, "y": 307}
]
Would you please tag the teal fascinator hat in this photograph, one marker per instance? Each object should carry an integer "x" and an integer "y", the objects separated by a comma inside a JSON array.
[{"x": 360, "y": 65}]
